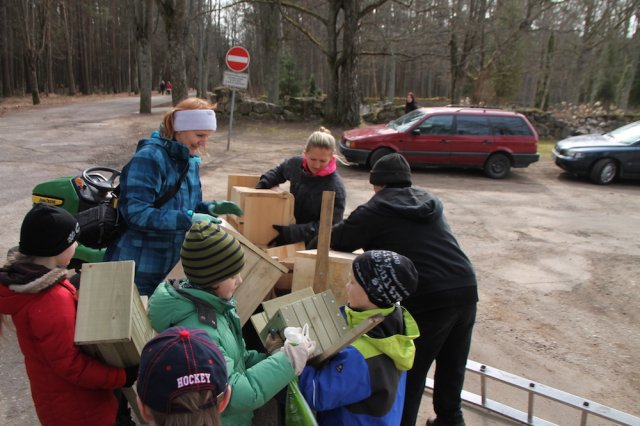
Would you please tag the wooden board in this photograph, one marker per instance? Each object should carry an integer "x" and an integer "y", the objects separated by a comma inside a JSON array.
[
  {"x": 282, "y": 253},
  {"x": 259, "y": 276},
  {"x": 111, "y": 321},
  {"x": 271, "y": 306},
  {"x": 262, "y": 209},
  {"x": 249, "y": 181},
  {"x": 337, "y": 274},
  {"x": 327, "y": 326},
  {"x": 324, "y": 241}
]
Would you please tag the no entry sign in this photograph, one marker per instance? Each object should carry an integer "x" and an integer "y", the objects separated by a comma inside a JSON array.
[{"x": 238, "y": 59}]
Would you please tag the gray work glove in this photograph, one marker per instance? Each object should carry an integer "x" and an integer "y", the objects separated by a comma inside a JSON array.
[{"x": 298, "y": 347}]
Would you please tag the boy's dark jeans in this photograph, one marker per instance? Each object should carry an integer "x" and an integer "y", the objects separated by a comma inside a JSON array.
[{"x": 445, "y": 336}]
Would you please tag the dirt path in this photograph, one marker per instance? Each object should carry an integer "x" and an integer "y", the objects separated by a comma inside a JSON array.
[{"x": 558, "y": 259}]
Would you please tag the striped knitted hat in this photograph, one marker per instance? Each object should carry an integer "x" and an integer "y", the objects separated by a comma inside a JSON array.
[{"x": 210, "y": 255}]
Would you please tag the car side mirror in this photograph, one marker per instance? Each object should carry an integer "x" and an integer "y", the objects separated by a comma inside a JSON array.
[{"x": 416, "y": 132}]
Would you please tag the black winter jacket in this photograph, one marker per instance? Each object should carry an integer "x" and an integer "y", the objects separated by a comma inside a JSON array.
[
  {"x": 307, "y": 190},
  {"x": 411, "y": 221}
]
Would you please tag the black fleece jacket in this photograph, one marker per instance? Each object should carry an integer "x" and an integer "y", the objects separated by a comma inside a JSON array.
[
  {"x": 411, "y": 221},
  {"x": 307, "y": 190}
]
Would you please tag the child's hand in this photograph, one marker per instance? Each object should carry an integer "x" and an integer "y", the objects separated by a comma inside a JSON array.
[{"x": 273, "y": 342}]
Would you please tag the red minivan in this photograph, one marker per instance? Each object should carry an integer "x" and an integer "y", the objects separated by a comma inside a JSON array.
[{"x": 490, "y": 139}]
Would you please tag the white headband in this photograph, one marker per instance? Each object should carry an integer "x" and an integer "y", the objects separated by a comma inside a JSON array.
[{"x": 194, "y": 119}]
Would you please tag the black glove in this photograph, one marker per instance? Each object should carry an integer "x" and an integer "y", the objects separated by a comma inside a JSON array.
[
  {"x": 132, "y": 375},
  {"x": 262, "y": 185},
  {"x": 282, "y": 238}
]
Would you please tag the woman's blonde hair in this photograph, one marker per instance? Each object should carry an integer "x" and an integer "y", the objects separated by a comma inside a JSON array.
[
  {"x": 321, "y": 138},
  {"x": 190, "y": 403},
  {"x": 189, "y": 103}
]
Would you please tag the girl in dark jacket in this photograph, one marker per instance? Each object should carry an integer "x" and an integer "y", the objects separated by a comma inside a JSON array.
[
  {"x": 410, "y": 104},
  {"x": 309, "y": 175}
]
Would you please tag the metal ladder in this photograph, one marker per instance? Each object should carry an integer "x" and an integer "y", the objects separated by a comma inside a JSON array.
[{"x": 534, "y": 389}]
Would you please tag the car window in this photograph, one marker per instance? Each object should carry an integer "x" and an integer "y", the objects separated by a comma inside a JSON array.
[
  {"x": 472, "y": 125},
  {"x": 627, "y": 134},
  {"x": 437, "y": 125},
  {"x": 509, "y": 126},
  {"x": 406, "y": 121}
]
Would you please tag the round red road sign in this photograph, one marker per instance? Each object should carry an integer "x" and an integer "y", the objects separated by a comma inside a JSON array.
[{"x": 238, "y": 59}]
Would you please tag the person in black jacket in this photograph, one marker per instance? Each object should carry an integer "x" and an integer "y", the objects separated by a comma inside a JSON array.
[
  {"x": 309, "y": 175},
  {"x": 411, "y": 222},
  {"x": 410, "y": 104}
]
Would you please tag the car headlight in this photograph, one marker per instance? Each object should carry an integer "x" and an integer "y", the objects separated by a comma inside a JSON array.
[
  {"x": 348, "y": 143},
  {"x": 576, "y": 155}
]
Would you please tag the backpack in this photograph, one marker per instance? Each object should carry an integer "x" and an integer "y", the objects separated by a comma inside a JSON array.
[{"x": 102, "y": 225}]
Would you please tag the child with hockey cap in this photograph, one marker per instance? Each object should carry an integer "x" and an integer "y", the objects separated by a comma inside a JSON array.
[
  {"x": 212, "y": 260},
  {"x": 68, "y": 387},
  {"x": 364, "y": 383},
  {"x": 182, "y": 379}
]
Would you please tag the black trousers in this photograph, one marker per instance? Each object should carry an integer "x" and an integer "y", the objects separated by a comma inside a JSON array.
[{"x": 445, "y": 337}]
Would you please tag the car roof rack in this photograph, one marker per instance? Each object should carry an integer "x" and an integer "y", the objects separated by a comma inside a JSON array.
[{"x": 474, "y": 107}]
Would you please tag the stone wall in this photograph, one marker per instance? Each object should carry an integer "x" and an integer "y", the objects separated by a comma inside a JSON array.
[
  {"x": 561, "y": 122},
  {"x": 292, "y": 109}
]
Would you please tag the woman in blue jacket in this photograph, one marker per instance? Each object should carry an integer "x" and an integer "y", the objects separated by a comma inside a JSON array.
[{"x": 155, "y": 233}]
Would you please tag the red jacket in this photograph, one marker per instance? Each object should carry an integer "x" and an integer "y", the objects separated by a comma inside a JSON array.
[{"x": 68, "y": 387}]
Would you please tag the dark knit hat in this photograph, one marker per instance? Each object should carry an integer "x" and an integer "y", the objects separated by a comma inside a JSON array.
[
  {"x": 210, "y": 255},
  {"x": 392, "y": 170},
  {"x": 177, "y": 361},
  {"x": 47, "y": 231},
  {"x": 387, "y": 277}
]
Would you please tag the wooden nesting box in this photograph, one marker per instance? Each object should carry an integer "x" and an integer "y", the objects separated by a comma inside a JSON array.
[
  {"x": 249, "y": 181},
  {"x": 285, "y": 255},
  {"x": 262, "y": 208},
  {"x": 327, "y": 326},
  {"x": 111, "y": 321},
  {"x": 337, "y": 275},
  {"x": 259, "y": 276}
]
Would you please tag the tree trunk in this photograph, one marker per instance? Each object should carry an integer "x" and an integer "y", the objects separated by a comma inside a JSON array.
[
  {"x": 349, "y": 94},
  {"x": 71, "y": 81},
  {"x": 143, "y": 21},
  {"x": 7, "y": 53},
  {"x": 631, "y": 68},
  {"x": 174, "y": 17},
  {"x": 270, "y": 38}
]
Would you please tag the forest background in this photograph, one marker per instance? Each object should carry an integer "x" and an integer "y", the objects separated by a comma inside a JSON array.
[{"x": 514, "y": 53}]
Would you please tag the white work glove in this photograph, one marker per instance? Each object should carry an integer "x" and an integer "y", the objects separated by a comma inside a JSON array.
[{"x": 298, "y": 347}]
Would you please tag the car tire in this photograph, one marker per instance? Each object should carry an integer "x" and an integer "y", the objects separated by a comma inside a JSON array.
[
  {"x": 378, "y": 154},
  {"x": 604, "y": 171},
  {"x": 497, "y": 166}
]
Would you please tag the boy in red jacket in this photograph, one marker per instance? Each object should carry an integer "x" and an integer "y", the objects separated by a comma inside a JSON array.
[{"x": 68, "y": 387}]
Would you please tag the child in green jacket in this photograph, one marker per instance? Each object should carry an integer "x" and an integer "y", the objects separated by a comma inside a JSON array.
[{"x": 212, "y": 260}]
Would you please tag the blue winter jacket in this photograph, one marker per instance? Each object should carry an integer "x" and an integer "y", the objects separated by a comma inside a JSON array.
[
  {"x": 364, "y": 383},
  {"x": 154, "y": 236}
]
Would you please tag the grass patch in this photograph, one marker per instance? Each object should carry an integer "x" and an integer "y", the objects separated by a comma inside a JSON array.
[{"x": 545, "y": 147}]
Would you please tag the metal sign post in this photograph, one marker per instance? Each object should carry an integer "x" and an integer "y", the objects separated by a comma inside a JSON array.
[{"x": 237, "y": 59}]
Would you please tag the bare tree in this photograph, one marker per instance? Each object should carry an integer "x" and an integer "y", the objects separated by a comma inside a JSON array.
[
  {"x": 174, "y": 15},
  {"x": 35, "y": 16},
  {"x": 341, "y": 20},
  {"x": 143, "y": 23}
]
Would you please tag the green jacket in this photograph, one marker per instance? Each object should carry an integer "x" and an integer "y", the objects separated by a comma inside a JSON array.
[{"x": 254, "y": 377}]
